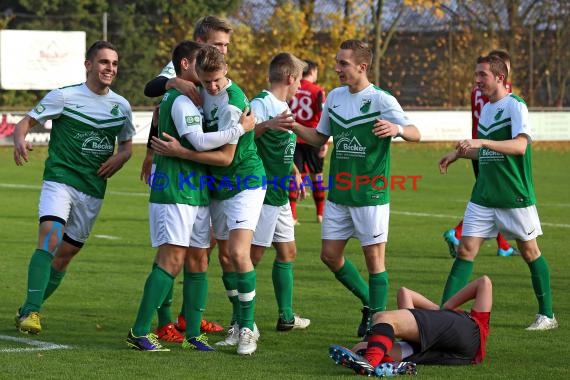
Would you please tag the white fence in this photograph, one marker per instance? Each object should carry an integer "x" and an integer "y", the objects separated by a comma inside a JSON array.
[{"x": 434, "y": 126}]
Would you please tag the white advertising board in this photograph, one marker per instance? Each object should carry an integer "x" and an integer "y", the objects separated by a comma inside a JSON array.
[{"x": 41, "y": 60}]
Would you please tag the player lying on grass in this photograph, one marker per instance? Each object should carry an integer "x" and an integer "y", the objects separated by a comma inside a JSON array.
[{"x": 429, "y": 335}]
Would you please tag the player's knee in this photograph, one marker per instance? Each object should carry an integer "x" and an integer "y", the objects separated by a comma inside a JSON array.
[{"x": 51, "y": 235}]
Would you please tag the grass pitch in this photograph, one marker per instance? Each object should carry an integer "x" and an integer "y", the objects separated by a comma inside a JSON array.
[{"x": 95, "y": 306}]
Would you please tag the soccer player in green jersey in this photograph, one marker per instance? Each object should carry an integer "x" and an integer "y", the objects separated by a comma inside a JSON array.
[
  {"x": 276, "y": 147},
  {"x": 503, "y": 198},
  {"x": 209, "y": 30},
  {"x": 87, "y": 118},
  {"x": 237, "y": 194},
  {"x": 179, "y": 212},
  {"x": 362, "y": 119}
]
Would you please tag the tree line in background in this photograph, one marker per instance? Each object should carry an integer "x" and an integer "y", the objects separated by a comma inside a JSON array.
[{"x": 424, "y": 50}]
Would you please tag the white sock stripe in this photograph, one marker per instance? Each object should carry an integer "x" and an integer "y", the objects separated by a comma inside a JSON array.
[
  {"x": 232, "y": 293},
  {"x": 246, "y": 297}
]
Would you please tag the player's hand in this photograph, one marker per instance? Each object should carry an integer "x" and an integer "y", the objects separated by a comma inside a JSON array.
[
  {"x": 447, "y": 160},
  {"x": 168, "y": 147},
  {"x": 187, "y": 88},
  {"x": 247, "y": 119},
  {"x": 464, "y": 146},
  {"x": 383, "y": 129},
  {"x": 282, "y": 122},
  {"x": 111, "y": 166},
  {"x": 323, "y": 151},
  {"x": 301, "y": 190},
  {"x": 21, "y": 149},
  {"x": 146, "y": 168}
]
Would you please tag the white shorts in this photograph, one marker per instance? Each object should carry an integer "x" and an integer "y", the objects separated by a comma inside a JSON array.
[
  {"x": 514, "y": 223},
  {"x": 77, "y": 209},
  {"x": 275, "y": 225},
  {"x": 171, "y": 223},
  {"x": 369, "y": 224},
  {"x": 201, "y": 230},
  {"x": 240, "y": 211}
]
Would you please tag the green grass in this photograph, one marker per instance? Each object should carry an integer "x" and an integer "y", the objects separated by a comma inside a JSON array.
[{"x": 97, "y": 302}]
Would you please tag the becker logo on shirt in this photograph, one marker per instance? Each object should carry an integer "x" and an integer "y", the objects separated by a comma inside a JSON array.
[
  {"x": 97, "y": 145},
  {"x": 349, "y": 147}
]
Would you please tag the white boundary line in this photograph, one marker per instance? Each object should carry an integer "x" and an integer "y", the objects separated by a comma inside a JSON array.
[
  {"x": 38, "y": 345},
  {"x": 407, "y": 213}
]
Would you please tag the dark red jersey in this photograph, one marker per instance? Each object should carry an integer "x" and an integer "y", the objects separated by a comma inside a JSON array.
[{"x": 307, "y": 105}]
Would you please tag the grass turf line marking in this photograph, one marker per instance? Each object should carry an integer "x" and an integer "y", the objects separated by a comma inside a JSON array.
[{"x": 38, "y": 345}]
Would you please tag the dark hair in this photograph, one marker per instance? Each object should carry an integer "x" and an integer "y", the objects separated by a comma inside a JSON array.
[
  {"x": 284, "y": 64},
  {"x": 362, "y": 53},
  {"x": 185, "y": 49},
  {"x": 496, "y": 65},
  {"x": 208, "y": 24},
  {"x": 311, "y": 65},
  {"x": 209, "y": 59},
  {"x": 98, "y": 45}
]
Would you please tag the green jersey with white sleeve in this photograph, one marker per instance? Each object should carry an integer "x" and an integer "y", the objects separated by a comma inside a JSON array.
[
  {"x": 85, "y": 126},
  {"x": 275, "y": 148},
  {"x": 360, "y": 161},
  {"x": 223, "y": 111},
  {"x": 176, "y": 180},
  {"x": 504, "y": 181}
]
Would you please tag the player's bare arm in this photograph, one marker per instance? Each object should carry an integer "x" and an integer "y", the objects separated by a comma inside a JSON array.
[
  {"x": 116, "y": 161},
  {"x": 447, "y": 160},
  {"x": 169, "y": 146},
  {"x": 514, "y": 147},
  {"x": 410, "y": 299},
  {"x": 282, "y": 122},
  {"x": 21, "y": 146},
  {"x": 481, "y": 290},
  {"x": 310, "y": 135},
  {"x": 384, "y": 128}
]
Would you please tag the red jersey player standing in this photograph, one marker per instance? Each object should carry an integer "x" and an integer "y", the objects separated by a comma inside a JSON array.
[
  {"x": 307, "y": 106},
  {"x": 478, "y": 100}
]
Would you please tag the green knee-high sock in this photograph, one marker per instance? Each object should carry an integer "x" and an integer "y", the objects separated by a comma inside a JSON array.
[
  {"x": 157, "y": 286},
  {"x": 378, "y": 284},
  {"x": 282, "y": 276},
  {"x": 230, "y": 280},
  {"x": 38, "y": 278},
  {"x": 246, "y": 295},
  {"x": 458, "y": 277},
  {"x": 55, "y": 278},
  {"x": 540, "y": 275},
  {"x": 195, "y": 296},
  {"x": 164, "y": 311},
  {"x": 349, "y": 276}
]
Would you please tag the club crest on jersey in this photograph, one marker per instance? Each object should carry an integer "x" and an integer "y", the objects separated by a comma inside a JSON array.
[
  {"x": 213, "y": 112},
  {"x": 39, "y": 108},
  {"x": 365, "y": 105},
  {"x": 115, "y": 110},
  {"x": 499, "y": 114}
]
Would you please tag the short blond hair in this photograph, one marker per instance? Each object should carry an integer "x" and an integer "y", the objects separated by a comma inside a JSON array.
[
  {"x": 284, "y": 64},
  {"x": 209, "y": 59},
  {"x": 208, "y": 24}
]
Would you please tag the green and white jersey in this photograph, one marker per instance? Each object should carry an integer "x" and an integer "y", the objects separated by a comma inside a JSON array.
[
  {"x": 168, "y": 71},
  {"x": 180, "y": 179},
  {"x": 504, "y": 181},
  {"x": 85, "y": 126},
  {"x": 275, "y": 148},
  {"x": 349, "y": 119},
  {"x": 222, "y": 111}
]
